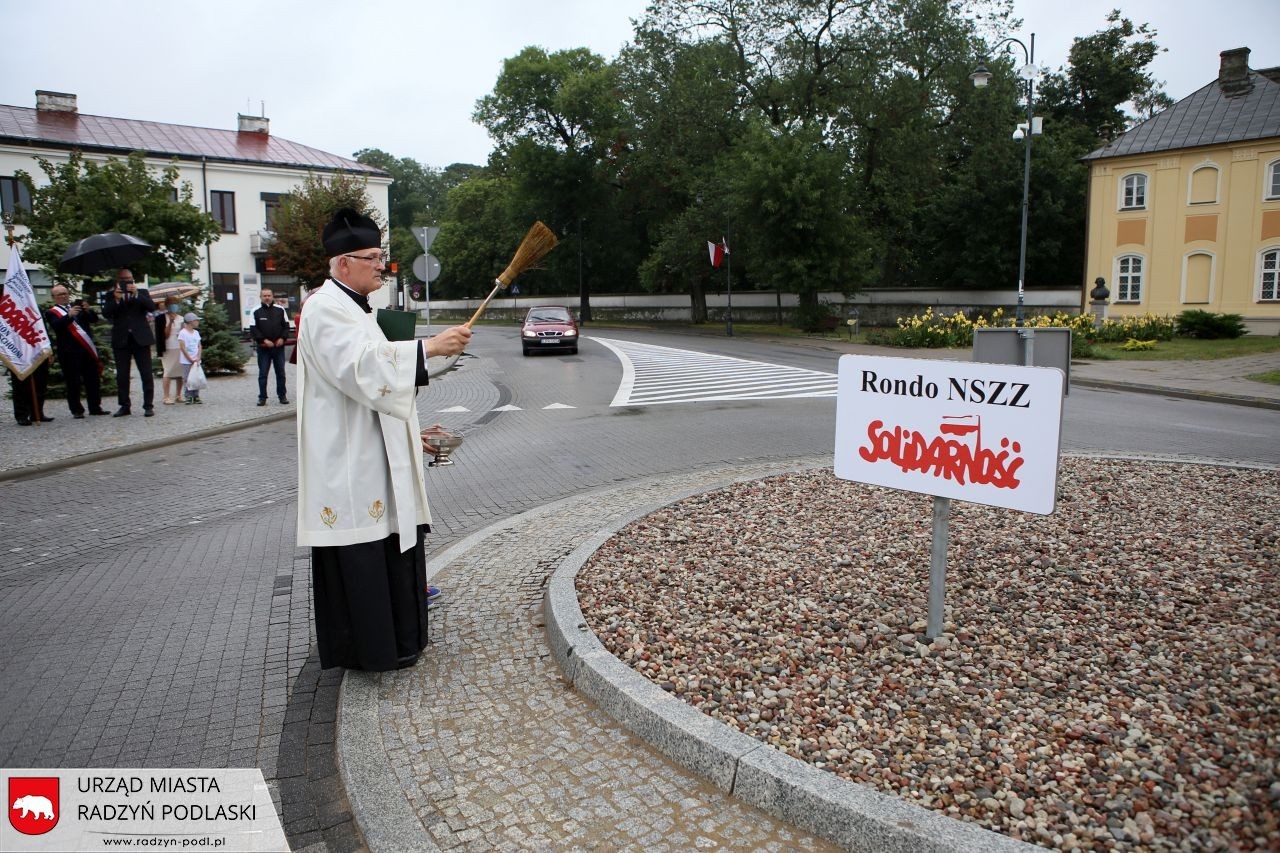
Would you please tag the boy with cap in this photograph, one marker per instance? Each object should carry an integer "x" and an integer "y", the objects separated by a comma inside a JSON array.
[
  {"x": 190, "y": 350},
  {"x": 362, "y": 502}
]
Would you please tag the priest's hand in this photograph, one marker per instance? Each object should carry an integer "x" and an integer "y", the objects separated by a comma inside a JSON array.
[{"x": 451, "y": 341}]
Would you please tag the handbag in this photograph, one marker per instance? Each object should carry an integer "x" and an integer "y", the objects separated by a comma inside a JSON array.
[{"x": 196, "y": 380}]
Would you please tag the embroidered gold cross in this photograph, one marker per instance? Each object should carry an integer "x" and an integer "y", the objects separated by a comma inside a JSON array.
[{"x": 384, "y": 390}]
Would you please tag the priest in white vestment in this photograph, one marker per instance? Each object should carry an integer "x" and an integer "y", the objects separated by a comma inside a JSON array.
[{"x": 362, "y": 501}]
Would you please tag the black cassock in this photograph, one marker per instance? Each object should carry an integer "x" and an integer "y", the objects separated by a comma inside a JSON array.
[{"x": 370, "y": 603}]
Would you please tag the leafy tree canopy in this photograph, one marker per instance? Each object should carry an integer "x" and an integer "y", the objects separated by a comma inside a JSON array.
[
  {"x": 1107, "y": 72},
  {"x": 304, "y": 212},
  {"x": 86, "y": 197},
  {"x": 565, "y": 100},
  {"x": 475, "y": 241},
  {"x": 419, "y": 195}
]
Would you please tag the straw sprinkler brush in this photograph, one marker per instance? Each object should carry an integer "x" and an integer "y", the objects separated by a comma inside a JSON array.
[{"x": 533, "y": 247}]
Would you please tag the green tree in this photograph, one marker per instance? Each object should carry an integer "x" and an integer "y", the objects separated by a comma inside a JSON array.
[
  {"x": 419, "y": 195},
  {"x": 558, "y": 124},
  {"x": 800, "y": 237},
  {"x": 223, "y": 352},
  {"x": 856, "y": 98},
  {"x": 84, "y": 197},
  {"x": 563, "y": 100},
  {"x": 304, "y": 212},
  {"x": 476, "y": 238},
  {"x": 1107, "y": 72},
  {"x": 684, "y": 106},
  {"x": 1083, "y": 107}
]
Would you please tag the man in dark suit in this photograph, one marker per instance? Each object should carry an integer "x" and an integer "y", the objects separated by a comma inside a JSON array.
[
  {"x": 129, "y": 309},
  {"x": 71, "y": 323}
]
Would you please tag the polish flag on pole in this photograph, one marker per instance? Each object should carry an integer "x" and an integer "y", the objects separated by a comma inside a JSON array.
[
  {"x": 23, "y": 341},
  {"x": 717, "y": 252}
]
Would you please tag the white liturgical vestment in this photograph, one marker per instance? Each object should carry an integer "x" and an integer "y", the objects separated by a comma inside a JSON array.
[{"x": 360, "y": 476}]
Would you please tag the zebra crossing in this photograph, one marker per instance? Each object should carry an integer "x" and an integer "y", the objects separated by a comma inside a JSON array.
[
  {"x": 507, "y": 408},
  {"x": 652, "y": 375}
]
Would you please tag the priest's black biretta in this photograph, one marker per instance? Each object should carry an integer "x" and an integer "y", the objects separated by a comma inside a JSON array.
[{"x": 350, "y": 231}]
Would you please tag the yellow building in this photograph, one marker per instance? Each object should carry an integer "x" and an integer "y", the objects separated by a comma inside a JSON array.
[{"x": 1184, "y": 209}]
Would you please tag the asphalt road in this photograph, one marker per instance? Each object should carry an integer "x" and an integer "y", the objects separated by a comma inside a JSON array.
[{"x": 154, "y": 611}]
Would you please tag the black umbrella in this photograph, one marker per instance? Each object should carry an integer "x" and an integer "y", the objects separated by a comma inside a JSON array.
[{"x": 102, "y": 251}]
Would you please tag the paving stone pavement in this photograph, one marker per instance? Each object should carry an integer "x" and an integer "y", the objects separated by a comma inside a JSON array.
[{"x": 490, "y": 744}]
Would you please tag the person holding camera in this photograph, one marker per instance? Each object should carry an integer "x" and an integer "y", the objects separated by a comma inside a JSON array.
[
  {"x": 129, "y": 309},
  {"x": 71, "y": 323}
]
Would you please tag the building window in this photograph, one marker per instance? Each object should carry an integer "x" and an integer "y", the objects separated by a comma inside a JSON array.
[
  {"x": 1129, "y": 278},
  {"x": 1204, "y": 185},
  {"x": 223, "y": 208},
  {"x": 272, "y": 210},
  {"x": 13, "y": 196},
  {"x": 1133, "y": 192},
  {"x": 1269, "y": 278},
  {"x": 1273, "y": 180},
  {"x": 271, "y": 207}
]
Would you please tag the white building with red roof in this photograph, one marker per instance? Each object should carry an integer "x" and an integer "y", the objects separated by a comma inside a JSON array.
[{"x": 240, "y": 175}]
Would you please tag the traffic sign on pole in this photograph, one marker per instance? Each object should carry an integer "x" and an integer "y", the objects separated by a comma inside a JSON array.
[
  {"x": 426, "y": 267},
  {"x": 426, "y": 236}
]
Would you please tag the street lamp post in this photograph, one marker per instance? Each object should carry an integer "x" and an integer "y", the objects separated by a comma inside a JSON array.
[{"x": 1028, "y": 72}]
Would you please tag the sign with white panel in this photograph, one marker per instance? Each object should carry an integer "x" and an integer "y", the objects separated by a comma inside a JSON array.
[{"x": 985, "y": 433}]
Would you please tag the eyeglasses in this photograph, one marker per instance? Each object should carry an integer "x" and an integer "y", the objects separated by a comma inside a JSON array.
[{"x": 376, "y": 259}]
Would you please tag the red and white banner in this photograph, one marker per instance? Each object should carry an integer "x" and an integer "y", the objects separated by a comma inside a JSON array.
[
  {"x": 24, "y": 343},
  {"x": 717, "y": 251},
  {"x": 986, "y": 433}
]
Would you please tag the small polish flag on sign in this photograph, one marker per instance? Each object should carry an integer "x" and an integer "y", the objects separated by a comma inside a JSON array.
[{"x": 717, "y": 252}]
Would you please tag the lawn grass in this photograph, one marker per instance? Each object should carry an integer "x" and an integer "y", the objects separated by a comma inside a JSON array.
[{"x": 1190, "y": 349}]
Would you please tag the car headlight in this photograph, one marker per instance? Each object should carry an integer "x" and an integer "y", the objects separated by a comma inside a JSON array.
[
  {"x": 571, "y": 333},
  {"x": 528, "y": 333}
]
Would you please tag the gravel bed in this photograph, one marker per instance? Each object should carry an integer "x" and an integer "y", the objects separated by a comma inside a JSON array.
[{"x": 1108, "y": 677}]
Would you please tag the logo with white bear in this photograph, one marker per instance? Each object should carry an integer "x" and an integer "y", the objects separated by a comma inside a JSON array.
[{"x": 35, "y": 804}]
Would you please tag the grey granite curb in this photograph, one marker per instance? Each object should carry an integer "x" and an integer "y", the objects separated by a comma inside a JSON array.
[
  {"x": 854, "y": 816},
  {"x": 1180, "y": 393},
  {"x": 373, "y": 789}
]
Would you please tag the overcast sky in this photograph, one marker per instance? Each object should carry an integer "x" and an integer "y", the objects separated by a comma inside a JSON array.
[{"x": 404, "y": 75}]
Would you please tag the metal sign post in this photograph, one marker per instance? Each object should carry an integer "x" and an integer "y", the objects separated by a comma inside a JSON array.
[
  {"x": 426, "y": 235},
  {"x": 938, "y": 565},
  {"x": 426, "y": 268}
]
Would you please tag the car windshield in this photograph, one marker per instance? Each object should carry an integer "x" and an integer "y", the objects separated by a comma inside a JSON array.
[{"x": 548, "y": 315}]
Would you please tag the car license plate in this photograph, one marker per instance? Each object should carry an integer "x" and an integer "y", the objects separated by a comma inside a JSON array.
[{"x": 550, "y": 341}]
